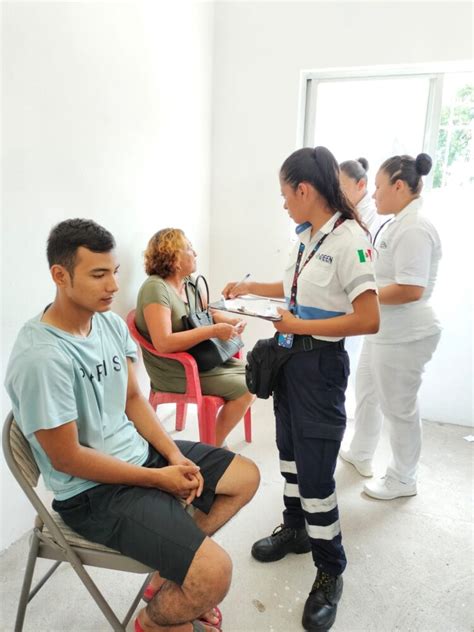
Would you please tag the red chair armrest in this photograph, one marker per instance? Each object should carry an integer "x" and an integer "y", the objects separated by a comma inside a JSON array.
[{"x": 193, "y": 384}]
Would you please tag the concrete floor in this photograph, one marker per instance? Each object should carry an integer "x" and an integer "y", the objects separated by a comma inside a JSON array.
[{"x": 409, "y": 560}]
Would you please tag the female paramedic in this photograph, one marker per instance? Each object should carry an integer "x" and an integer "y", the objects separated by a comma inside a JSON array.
[
  {"x": 331, "y": 293},
  {"x": 392, "y": 361},
  {"x": 353, "y": 177}
]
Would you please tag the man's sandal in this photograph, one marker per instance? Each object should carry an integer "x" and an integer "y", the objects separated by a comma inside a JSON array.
[
  {"x": 150, "y": 592},
  {"x": 218, "y": 615},
  {"x": 198, "y": 626}
]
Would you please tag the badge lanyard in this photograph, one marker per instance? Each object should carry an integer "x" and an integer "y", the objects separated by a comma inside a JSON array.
[
  {"x": 294, "y": 285},
  {"x": 379, "y": 230}
]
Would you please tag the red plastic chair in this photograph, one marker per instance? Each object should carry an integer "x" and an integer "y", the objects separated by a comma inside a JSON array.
[{"x": 207, "y": 405}]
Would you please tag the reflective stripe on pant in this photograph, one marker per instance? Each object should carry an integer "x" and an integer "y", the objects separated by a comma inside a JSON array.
[
  {"x": 387, "y": 383},
  {"x": 309, "y": 409}
]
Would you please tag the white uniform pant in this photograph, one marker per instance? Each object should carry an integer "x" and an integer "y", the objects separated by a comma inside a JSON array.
[
  {"x": 387, "y": 383},
  {"x": 353, "y": 346}
]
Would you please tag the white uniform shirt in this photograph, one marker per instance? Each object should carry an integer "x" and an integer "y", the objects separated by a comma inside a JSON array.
[
  {"x": 368, "y": 214},
  {"x": 339, "y": 271},
  {"x": 408, "y": 252}
]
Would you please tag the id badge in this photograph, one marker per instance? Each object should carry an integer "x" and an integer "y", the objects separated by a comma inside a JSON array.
[{"x": 285, "y": 340}]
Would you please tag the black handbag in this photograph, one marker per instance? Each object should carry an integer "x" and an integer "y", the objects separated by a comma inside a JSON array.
[{"x": 213, "y": 352}]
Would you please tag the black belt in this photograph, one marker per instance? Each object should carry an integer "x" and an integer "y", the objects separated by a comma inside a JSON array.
[{"x": 308, "y": 343}]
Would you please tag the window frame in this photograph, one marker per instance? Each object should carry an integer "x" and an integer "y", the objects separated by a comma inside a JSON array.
[{"x": 311, "y": 79}]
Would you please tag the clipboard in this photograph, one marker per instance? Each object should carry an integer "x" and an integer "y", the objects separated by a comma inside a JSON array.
[{"x": 251, "y": 305}]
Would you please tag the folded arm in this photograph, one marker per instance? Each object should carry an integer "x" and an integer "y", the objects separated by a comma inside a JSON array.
[{"x": 68, "y": 455}]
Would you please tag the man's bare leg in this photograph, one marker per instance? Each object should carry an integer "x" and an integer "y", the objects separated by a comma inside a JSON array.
[
  {"x": 156, "y": 582},
  {"x": 235, "y": 489},
  {"x": 206, "y": 583}
]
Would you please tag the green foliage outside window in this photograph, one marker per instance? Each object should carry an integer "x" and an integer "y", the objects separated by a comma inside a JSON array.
[{"x": 455, "y": 137}]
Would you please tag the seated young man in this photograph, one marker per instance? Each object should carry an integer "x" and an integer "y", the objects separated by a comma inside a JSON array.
[{"x": 117, "y": 477}]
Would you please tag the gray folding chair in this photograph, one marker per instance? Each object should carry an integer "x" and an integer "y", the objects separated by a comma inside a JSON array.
[{"x": 54, "y": 540}]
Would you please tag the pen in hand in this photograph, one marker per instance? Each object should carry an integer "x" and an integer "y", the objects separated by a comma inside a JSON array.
[
  {"x": 247, "y": 276},
  {"x": 229, "y": 290}
]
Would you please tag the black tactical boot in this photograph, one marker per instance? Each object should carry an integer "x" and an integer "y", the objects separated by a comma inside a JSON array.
[
  {"x": 321, "y": 606},
  {"x": 283, "y": 540}
]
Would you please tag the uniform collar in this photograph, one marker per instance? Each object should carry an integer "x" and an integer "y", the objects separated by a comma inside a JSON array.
[
  {"x": 302, "y": 227},
  {"x": 414, "y": 206},
  {"x": 325, "y": 228}
]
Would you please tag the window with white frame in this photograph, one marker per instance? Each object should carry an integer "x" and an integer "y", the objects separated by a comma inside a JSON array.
[{"x": 377, "y": 113}]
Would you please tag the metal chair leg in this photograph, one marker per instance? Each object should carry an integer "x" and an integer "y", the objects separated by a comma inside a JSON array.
[
  {"x": 25, "y": 589},
  {"x": 43, "y": 580},
  {"x": 97, "y": 596},
  {"x": 134, "y": 605}
]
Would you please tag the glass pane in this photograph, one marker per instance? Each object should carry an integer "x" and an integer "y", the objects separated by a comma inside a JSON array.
[
  {"x": 372, "y": 118},
  {"x": 454, "y": 152}
]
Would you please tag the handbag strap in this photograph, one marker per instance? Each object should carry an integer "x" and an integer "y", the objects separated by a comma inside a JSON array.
[{"x": 197, "y": 295}]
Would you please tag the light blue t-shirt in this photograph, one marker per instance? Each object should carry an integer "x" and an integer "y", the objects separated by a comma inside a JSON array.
[{"x": 54, "y": 377}]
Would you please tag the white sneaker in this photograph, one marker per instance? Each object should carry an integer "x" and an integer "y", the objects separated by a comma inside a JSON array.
[
  {"x": 363, "y": 467},
  {"x": 388, "y": 488}
]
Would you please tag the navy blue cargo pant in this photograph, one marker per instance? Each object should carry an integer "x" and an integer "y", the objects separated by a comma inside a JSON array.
[{"x": 310, "y": 422}]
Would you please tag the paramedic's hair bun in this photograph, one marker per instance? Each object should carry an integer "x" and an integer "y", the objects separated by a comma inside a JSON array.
[
  {"x": 364, "y": 162},
  {"x": 423, "y": 164}
]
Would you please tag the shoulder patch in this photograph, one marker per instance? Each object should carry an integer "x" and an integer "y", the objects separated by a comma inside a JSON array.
[{"x": 365, "y": 255}]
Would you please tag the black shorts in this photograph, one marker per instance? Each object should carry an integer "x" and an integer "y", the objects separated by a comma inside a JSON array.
[{"x": 147, "y": 524}]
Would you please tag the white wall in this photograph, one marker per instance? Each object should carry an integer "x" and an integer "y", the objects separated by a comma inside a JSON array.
[
  {"x": 107, "y": 115},
  {"x": 261, "y": 47}
]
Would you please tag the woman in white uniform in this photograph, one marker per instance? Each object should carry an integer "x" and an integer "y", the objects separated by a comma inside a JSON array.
[
  {"x": 392, "y": 361},
  {"x": 353, "y": 178}
]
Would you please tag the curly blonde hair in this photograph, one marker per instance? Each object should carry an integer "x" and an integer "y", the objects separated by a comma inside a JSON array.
[{"x": 162, "y": 251}]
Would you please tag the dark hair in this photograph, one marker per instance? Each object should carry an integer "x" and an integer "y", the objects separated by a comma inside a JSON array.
[
  {"x": 355, "y": 169},
  {"x": 408, "y": 169},
  {"x": 66, "y": 237},
  {"x": 319, "y": 168}
]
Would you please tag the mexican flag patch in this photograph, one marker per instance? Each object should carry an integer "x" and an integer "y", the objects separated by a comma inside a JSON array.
[{"x": 365, "y": 255}]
